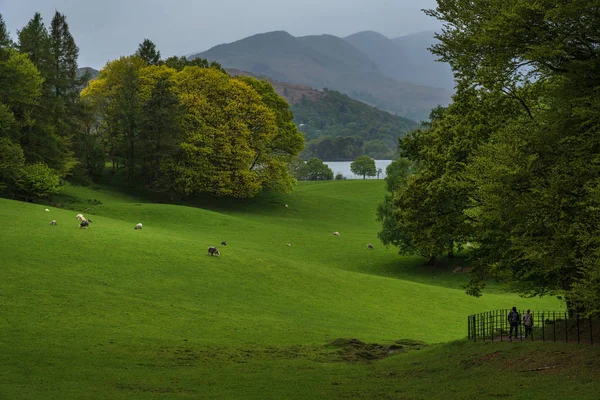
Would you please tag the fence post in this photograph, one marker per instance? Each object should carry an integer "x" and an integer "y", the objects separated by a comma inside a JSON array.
[
  {"x": 578, "y": 340},
  {"x": 543, "y": 327},
  {"x": 554, "y": 324},
  {"x": 591, "y": 331},
  {"x": 474, "y": 328},
  {"x": 566, "y": 329}
]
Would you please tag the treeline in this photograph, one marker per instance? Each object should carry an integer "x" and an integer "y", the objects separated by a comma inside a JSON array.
[
  {"x": 510, "y": 169},
  {"x": 338, "y": 128},
  {"x": 175, "y": 126}
]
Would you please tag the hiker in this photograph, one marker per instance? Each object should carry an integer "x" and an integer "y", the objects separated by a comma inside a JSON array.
[
  {"x": 528, "y": 323},
  {"x": 514, "y": 319}
]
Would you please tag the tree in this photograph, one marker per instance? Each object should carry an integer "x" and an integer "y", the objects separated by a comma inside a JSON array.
[
  {"x": 5, "y": 40},
  {"x": 528, "y": 194},
  {"x": 64, "y": 52},
  {"x": 37, "y": 180},
  {"x": 318, "y": 171},
  {"x": 379, "y": 171},
  {"x": 363, "y": 165},
  {"x": 35, "y": 42},
  {"x": 147, "y": 52}
]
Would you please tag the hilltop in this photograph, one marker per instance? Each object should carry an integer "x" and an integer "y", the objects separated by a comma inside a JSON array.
[
  {"x": 405, "y": 58},
  {"x": 327, "y": 61}
]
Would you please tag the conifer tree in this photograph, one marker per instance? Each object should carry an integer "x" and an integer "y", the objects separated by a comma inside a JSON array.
[{"x": 147, "y": 52}]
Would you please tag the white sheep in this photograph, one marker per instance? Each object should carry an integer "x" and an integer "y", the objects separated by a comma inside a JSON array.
[
  {"x": 138, "y": 226},
  {"x": 53, "y": 222},
  {"x": 46, "y": 210},
  {"x": 84, "y": 222},
  {"x": 289, "y": 244},
  {"x": 336, "y": 233}
]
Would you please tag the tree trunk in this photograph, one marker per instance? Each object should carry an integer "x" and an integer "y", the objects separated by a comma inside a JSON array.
[{"x": 432, "y": 261}]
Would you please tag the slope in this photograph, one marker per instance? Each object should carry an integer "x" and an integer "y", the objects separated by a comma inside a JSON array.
[
  {"x": 110, "y": 311},
  {"x": 405, "y": 59},
  {"x": 326, "y": 62}
]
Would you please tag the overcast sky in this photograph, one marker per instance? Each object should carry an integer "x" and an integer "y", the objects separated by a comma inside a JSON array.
[{"x": 107, "y": 29}]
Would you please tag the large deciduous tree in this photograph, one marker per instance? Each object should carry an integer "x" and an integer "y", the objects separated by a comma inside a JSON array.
[{"x": 511, "y": 164}]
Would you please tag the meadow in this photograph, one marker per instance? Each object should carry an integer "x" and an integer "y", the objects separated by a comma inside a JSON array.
[{"x": 110, "y": 312}]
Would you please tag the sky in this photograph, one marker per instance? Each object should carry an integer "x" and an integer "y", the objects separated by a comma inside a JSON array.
[{"x": 107, "y": 29}]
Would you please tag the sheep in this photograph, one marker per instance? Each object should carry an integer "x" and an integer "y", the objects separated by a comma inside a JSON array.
[
  {"x": 336, "y": 233},
  {"x": 223, "y": 243},
  {"x": 289, "y": 244},
  {"x": 212, "y": 250},
  {"x": 53, "y": 222},
  {"x": 138, "y": 226},
  {"x": 286, "y": 206},
  {"x": 84, "y": 223},
  {"x": 46, "y": 210},
  {"x": 370, "y": 246}
]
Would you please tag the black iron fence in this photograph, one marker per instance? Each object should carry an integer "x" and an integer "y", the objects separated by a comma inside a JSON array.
[{"x": 552, "y": 326}]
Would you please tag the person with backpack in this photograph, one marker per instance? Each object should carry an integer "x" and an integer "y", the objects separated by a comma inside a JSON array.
[
  {"x": 514, "y": 319},
  {"x": 528, "y": 323}
]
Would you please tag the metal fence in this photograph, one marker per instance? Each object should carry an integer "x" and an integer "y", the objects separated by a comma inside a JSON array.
[{"x": 548, "y": 326}]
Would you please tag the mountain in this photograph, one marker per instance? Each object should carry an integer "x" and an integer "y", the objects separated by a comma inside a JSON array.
[
  {"x": 406, "y": 58},
  {"x": 338, "y": 128},
  {"x": 93, "y": 73},
  {"x": 327, "y": 61}
]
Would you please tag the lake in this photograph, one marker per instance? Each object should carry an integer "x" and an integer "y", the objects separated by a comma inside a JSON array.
[{"x": 343, "y": 167}]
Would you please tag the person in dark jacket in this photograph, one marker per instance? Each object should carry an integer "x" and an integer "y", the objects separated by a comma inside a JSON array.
[{"x": 514, "y": 319}]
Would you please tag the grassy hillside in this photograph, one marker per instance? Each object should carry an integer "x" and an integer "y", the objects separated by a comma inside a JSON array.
[
  {"x": 111, "y": 312},
  {"x": 327, "y": 62}
]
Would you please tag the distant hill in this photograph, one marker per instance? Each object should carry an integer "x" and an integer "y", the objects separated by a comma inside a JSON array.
[
  {"x": 338, "y": 128},
  {"x": 405, "y": 59},
  {"x": 91, "y": 71},
  {"x": 327, "y": 61}
]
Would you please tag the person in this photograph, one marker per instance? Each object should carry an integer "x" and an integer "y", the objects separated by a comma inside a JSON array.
[
  {"x": 528, "y": 322},
  {"x": 514, "y": 319}
]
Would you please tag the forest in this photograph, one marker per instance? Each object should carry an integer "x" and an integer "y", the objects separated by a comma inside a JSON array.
[{"x": 172, "y": 126}]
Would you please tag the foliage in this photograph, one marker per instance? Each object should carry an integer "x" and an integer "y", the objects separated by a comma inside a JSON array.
[
  {"x": 37, "y": 180},
  {"x": 511, "y": 164},
  {"x": 11, "y": 162},
  {"x": 338, "y": 128},
  {"x": 194, "y": 130},
  {"x": 364, "y": 165},
  {"x": 147, "y": 52}
]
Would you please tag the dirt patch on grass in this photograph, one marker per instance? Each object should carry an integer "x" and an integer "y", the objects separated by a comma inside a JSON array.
[{"x": 354, "y": 350}]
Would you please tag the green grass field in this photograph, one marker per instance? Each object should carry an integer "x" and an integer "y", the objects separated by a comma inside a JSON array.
[{"x": 115, "y": 313}]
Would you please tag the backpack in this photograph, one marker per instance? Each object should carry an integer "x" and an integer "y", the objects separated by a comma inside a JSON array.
[{"x": 513, "y": 316}]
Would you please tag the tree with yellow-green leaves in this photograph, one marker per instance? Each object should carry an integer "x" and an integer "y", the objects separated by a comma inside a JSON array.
[{"x": 193, "y": 129}]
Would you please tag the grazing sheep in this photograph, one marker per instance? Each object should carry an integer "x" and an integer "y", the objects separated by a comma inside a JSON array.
[
  {"x": 53, "y": 222},
  {"x": 370, "y": 246},
  {"x": 84, "y": 223},
  {"x": 46, "y": 210},
  {"x": 212, "y": 251},
  {"x": 286, "y": 206},
  {"x": 223, "y": 243},
  {"x": 138, "y": 226},
  {"x": 289, "y": 244},
  {"x": 336, "y": 233}
]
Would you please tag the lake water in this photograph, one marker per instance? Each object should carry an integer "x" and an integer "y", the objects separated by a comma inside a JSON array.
[{"x": 343, "y": 167}]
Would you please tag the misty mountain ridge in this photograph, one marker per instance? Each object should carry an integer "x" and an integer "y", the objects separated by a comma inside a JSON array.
[{"x": 327, "y": 61}]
